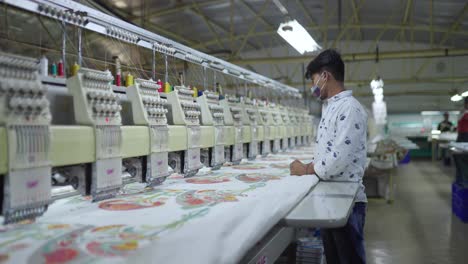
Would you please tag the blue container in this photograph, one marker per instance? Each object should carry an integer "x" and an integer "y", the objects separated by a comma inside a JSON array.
[
  {"x": 460, "y": 201},
  {"x": 406, "y": 159}
]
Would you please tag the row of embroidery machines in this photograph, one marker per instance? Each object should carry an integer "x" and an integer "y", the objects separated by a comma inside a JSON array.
[{"x": 83, "y": 135}]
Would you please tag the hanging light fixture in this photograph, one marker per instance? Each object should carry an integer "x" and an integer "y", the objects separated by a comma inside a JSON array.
[
  {"x": 294, "y": 33},
  {"x": 379, "y": 107},
  {"x": 465, "y": 94},
  {"x": 297, "y": 36},
  {"x": 456, "y": 98}
]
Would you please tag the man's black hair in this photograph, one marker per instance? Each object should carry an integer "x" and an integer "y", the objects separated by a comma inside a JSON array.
[{"x": 329, "y": 60}]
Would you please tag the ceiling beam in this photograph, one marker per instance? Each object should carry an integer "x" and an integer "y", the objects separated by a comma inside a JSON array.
[
  {"x": 406, "y": 93},
  {"x": 262, "y": 19},
  {"x": 177, "y": 8},
  {"x": 366, "y": 83},
  {"x": 356, "y": 17},
  {"x": 455, "y": 24},
  {"x": 354, "y": 26},
  {"x": 211, "y": 22},
  {"x": 348, "y": 22},
  {"x": 308, "y": 15},
  {"x": 409, "y": 5},
  {"x": 251, "y": 29},
  {"x": 125, "y": 16},
  {"x": 368, "y": 56},
  {"x": 431, "y": 14},
  {"x": 447, "y": 34},
  {"x": 198, "y": 11}
]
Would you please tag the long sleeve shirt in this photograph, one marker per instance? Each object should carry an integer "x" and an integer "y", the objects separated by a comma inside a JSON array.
[{"x": 340, "y": 153}]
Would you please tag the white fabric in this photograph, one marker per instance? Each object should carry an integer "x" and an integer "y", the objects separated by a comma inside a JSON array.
[
  {"x": 340, "y": 153},
  {"x": 221, "y": 230}
]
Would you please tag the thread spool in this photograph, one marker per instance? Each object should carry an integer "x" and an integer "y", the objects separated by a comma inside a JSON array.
[
  {"x": 44, "y": 66},
  {"x": 53, "y": 69},
  {"x": 60, "y": 69},
  {"x": 75, "y": 68},
  {"x": 195, "y": 91},
  {"x": 129, "y": 80},
  {"x": 118, "y": 71},
  {"x": 167, "y": 88},
  {"x": 118, "y": 80},
  {"x": 160, "y": 85}
]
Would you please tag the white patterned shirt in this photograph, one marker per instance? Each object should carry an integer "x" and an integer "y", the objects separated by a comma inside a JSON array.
[{"x": 340, "y": 153}]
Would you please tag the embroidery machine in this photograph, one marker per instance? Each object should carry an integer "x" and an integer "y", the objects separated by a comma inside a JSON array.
[
  {"x": 250, "y": 131},
  {"x": 97, "y": 106},
  {"x": 276, "y": 128},
  {"x": 287, "y": 129},
  {"x": 265, "y": 122},
  {"x": 212, "y": 129},
  {"x": 150, "y": 110},
  {"x": 299, "y": 127},
  {"x": 25, "y": 126},
  {"x": 184, "y": 118},
  {"x": 233, "y": 129},
  {"x": 90, "y": 137},
  {"x": 293, "y": 128}
]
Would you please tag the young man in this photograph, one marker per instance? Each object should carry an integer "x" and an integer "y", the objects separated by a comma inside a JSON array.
[
  {"x": 340, "y": 153},
  {"x": 446, "y": 125}
]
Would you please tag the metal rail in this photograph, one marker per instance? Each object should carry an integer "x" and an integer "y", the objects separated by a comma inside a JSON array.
[{"x": 85, "y": 17}]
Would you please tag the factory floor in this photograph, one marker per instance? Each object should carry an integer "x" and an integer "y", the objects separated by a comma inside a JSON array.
[{"x": 419, "y": 226}]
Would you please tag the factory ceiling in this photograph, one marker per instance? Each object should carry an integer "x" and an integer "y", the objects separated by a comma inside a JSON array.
[{"x": 412, "y": 44}]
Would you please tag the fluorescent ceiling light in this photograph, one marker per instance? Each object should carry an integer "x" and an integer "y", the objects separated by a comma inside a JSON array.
[
  {"x": 465, "y": 94},
  {"x": 121, "y": 4},
  {"x": 296, "y": 35},
  {"x": 427, "y": 113},
  {"x": 456, "y": 98}
]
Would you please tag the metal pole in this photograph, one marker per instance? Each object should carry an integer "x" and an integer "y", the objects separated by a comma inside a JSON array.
[
  {"x": 304, "y": 85},
  {"x": 166, "y": 76},
  {"x": 64, "y": 46},
  {"x": 214, "y": 80},
  {"x": 204, "y": 78},
  {"x": 153, "y": 65},
  {"x": 80, "y": 58}
]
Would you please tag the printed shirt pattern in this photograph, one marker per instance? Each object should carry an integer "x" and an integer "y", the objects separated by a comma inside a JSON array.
[{"x": 341, "y": 152}]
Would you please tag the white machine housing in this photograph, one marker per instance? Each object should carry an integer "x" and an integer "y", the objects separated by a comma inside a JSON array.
[
  {"x": 292, "y": 131},
  {"x": 212, "y": 115},
  {"x": 276, "y": 128},
  {"x": 233, "y": 128},
  {"x": 287, "y": 129},
  {"x": 95, "y": 104},
  {"x": 149, "y": 109},
  {"x": 184, "y": 111},
  {"x": 25, "y": 115},
  {"x": 250, "y": 132},
  {"x": 266, "y": 121}
]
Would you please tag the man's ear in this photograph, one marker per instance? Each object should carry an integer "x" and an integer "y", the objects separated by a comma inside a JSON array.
[{"x": 326, "y": 76}]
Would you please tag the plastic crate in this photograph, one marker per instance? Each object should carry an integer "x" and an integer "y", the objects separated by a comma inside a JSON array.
[
  {"x": 406, "y": 159},
  {"x": 460, "y": 201}
]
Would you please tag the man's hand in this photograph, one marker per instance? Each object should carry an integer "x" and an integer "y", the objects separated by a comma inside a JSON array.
[{"x": 297, "y": 168}]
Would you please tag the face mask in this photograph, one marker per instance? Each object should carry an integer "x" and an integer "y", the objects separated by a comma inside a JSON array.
[{"x": 316, "y": 90}]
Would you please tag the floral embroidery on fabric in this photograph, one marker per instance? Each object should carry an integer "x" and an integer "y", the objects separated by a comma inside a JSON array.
[
  {"x": 249, "y": 166},
  {"x": 256, "y": 177},
  {"x": 194, "y": 199}
]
